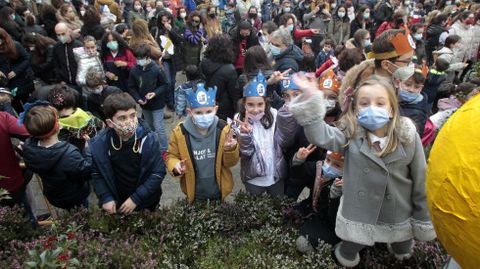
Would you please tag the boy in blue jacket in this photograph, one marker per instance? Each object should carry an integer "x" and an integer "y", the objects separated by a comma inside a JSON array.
[
  {"x": 127, "y": 164},
  {"x": 147, "y": 84}
]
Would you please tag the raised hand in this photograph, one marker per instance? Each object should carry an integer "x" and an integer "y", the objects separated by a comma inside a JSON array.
[
  {"x": 277, "y": 76},
  {"x": 303, "y": 153},
  {"x": 307, "y": 84},
  {"x": 180, "y": 168},
  {"x": 245, "y": 126},
  {"x": 230, "y": 141}
]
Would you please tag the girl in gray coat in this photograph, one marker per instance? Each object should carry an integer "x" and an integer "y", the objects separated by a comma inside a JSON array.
[{"x": 384, "y": 196}]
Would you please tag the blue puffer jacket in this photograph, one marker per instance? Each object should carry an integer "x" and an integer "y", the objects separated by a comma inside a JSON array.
[
  {"x": 152, "y": 168},
  {"x": 289, "y": 58}
]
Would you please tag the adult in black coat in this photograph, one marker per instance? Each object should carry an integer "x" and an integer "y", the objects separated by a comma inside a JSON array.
[
  {"x": 244, "y": 37},
  {"x": 91, "y": 23},
  {"x": 65, "y": 66},
  {"x": 434, "y": 31},
  {"x": 218, "y": 70},
  {"x": 41, "y": 52},
  {"x": 385, "y": 11},
  {"x": 15, "y": 68},
  {"x": 8, "y": 23}
]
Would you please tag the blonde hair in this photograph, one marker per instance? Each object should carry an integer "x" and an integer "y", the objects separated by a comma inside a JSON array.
[
  {"x": 140, "y": 32},
  {"x": 348, "y": 123}
]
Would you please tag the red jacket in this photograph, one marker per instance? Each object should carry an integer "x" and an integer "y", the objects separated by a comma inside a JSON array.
[
  {"x": 9, "y": 167},
  {"x": 126, "y": 57},
  {"x": 323, "y": 67},
  {"x": 298, "y": 34}
]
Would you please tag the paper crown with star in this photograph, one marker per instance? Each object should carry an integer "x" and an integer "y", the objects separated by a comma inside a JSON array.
[
  {"x": 201, "y": 97},
  {"x": 402, "y": 42},
  {"x": 288, "y": 84},
  {"x": 257, "y": 87}
]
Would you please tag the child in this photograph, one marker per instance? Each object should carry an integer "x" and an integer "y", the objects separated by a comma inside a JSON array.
[
  {"x": 87, "y": 57},
  {"x": 76, "y": 125},
  {"x": 99, "y": 90},
  {"x": 263, "y": 167},
  {"x": 193, "y": 78},
  {"x": 6, "y": 97},
  {"x": 325, "y": 53},
  {"x": 413, "y": 102},
  {"x": 60, "y": 165},
  {"x": 326, "y": 197},
  {"x": 202, "y": 149},
  {"x": 147, "y": 85},
  {"x": 127, "y": 164},
  {"x": 436, "y": 76},
  {"x": 447, "y": 52},
  {"x": 384, "y": 174}
]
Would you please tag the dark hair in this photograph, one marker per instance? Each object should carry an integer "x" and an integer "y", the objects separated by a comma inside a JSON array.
[
  {"x": 192, "y": 72},
  {"x": 30, "y": 20},
  {"x": 452, "y": 40},
  {"x": 345, "y": 18},
  {"x": 62, "y": 97},
  {"x": 348, "y": 58},
  {"x": 142, "y": 50},
  {"x": 397, "y": 16},
  {"x": 284, "y": 19},
  {"x": 329, "y": 41},
  {"x": 267, "y": 119},
  {"x": 416, "y": 26},
  {"x": 92, "y": 16},
  {"x": 255, "y": 59},
  {"x": 8, "y": 47},
  {"x": 270, "y": 26},
  {"x": 121, "y": 28},
  {"x": 442, "y": 64},
  {"x": 464, "y": 15},
  {"x": 465, "y": 88},
  {"x": 382, "y": 44},
  {"x": 190, "y": 18},
  {"x": 42, "y": 45},
  {"x": 40, "y": 120},
  {"x": 220, "y": 49},
  {"x": 117, "y": 102},
  {"x": 359, "y": 35},
  {"x": 164, "y": 13},
  {"x": 439, "y": 19},
  {"x": 122, "y": 44},
  {"x": 361, "y": 10},
  {"x": 418, "y": 77}
]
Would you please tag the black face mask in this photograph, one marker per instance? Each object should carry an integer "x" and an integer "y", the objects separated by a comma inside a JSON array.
[
  {"x": 212, "y": 15},
  {"x": 252, "y": 15},
  {"x": 243, "y": 37}
]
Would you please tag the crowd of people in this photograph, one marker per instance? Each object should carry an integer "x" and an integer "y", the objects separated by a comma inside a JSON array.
[{"x": 339, "y": 97}]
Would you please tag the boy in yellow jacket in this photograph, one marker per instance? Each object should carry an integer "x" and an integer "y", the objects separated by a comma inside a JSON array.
[{"x": 202, "y": 149}]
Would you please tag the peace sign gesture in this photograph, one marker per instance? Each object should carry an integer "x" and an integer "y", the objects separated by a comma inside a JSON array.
[
  {"x": 180, "y": 167},
  {"x": 230, "y": 141},
  {"x": 245, "y": 127},
  {"x": 277, "y": 76},
  {"x": 303, "y": 153}
]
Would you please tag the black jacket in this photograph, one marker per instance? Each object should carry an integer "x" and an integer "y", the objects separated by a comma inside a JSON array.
[
  {"x": 224, "y": 77},
  {"x": 289, "y": 58},
  {"x": 432, "y": 83},
  {"x": 418, "y": 113},
  {"x": 383, "y": 13},
  {"x": 43, "y": 70},
  {"x": 37, "y": 29},
  {"x": 147, "y": 79},
  {"x": 65, "y": 66},
  {"x": 252, "y": 40},
  {"x": 95, "y": 101},
  {"x": 21, "y": 67},
  {"x": 63, "y": 170},
  {"x": 433, "y": 40}
]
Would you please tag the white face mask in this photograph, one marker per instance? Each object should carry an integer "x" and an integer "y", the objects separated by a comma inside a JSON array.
[
  {"x": 341, "y": 14},
  {"x": 183, "y": 15},
  {"x": 82, "y": 12}
]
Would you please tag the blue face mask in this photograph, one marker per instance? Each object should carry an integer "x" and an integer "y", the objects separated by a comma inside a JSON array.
[
  {"x": 113, "y": 45},
  {"x": 373, "y": 117},
  {"x": 204, "y": 121},
  {"x": 410, "y": 97},
  {"x": 142, "y": 62},
  {"x": 330, "y": 172},
  {"x": 290, "y": 28},
  {"x": 275, "y": 50}
]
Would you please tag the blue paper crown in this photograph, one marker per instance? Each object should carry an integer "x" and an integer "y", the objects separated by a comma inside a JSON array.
[
  {"x": 288, "y": 84},
  {"x": 201, "y": 97},
  {"x": 256, "y": 87}
]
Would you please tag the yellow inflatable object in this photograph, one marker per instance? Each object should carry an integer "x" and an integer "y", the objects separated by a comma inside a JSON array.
[{"x": 453, "y": 185}]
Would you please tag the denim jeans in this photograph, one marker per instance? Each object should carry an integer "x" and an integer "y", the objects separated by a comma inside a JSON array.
[
  {"x": 154, "y": 119},
  {"x": 169, "y": 71}
]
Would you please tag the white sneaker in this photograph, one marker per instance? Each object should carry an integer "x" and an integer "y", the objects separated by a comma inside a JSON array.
[{"x": 303, "y": 245}]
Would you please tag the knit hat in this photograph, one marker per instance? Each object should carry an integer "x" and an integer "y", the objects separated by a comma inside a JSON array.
[
  {"x": 329, "y": 81},
  {"x": 244, "y": 25}
]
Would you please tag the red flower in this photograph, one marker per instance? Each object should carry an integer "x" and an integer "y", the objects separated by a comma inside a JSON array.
[
  {"x": 63, "y": 257},
  {"x": 52, "y": 239},
  {"x": 70, "y": 235}
]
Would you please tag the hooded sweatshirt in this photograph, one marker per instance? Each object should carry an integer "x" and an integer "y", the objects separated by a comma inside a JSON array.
[
  {"x": 63, "y": 170},
  {"x": 203, "y": 149}
]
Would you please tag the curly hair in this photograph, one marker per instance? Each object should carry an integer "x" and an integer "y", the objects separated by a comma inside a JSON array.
[
  {"x": 122, "y": 44},
  {"x": 220, "y": 49}
]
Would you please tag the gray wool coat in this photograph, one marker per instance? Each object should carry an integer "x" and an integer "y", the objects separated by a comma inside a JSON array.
[{"x": 383, "y": 198}]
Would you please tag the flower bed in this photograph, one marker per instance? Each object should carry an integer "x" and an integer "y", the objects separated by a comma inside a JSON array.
[{"x": 249, "y": 233}]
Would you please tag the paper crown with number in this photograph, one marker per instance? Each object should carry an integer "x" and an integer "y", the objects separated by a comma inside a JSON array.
[
  {"x": 329, "y": 81},
  {"x": 402, "y": 42},
  {"x": 257, "y": 87},
  {"x": 201, "y": 97},
  {"x": 288, "y": 84}
]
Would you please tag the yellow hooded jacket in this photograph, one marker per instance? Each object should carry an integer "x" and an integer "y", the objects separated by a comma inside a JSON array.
[{"x": 178, "y": 150}]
